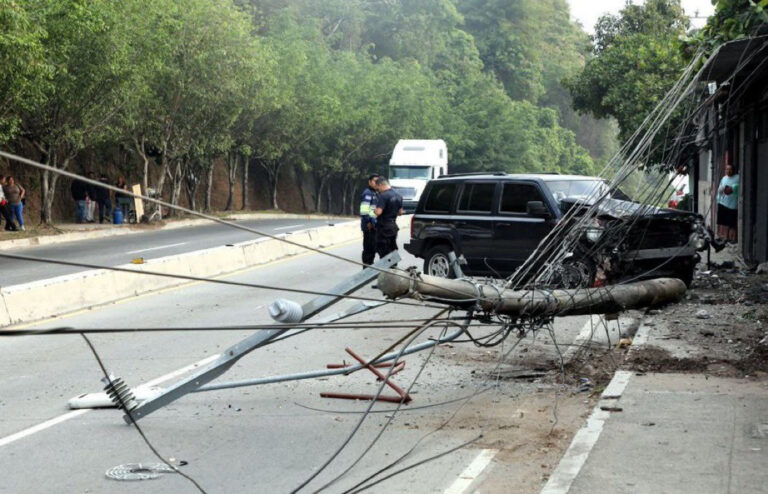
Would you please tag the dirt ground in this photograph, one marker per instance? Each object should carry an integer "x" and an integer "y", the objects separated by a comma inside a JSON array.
[{"x": 719, "y": 329}]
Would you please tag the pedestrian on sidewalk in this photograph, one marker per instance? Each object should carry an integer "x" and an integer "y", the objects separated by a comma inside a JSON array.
[
  {"x": 368, "y": 200},
  {"x": 14, "y": 194},
  {"x": 90, "y": 202},
  {"x": 388, "y": 207},
  {"x": 79, "y": 195},
  {"x": 728, "y": 205},
  {"x": 102, "y": 198},
  {"x": 10, "y": 226},
  {"x": 122, "y": 201}
]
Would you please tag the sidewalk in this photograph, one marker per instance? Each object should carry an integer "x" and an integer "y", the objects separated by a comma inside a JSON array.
[
  {"x": 69, "y": 232},
  {"x": 689, "y": 412},
  {"x": 682, "y": 433}
]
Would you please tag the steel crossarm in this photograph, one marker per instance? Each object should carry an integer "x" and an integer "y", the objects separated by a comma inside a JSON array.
[{"x": 237, "y": 351}]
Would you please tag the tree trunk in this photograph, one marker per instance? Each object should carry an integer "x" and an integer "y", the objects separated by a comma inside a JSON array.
[
  {"x": 319, "y": 193},
  {"x": 246, "y": 166},
  {"x": 273, "y": 174},
  {"x": 161, "y": 180},
  {"x": 177, "y": 182},
  {"x": 233, "y": 160},
  {"x": 209, "y": 187},
  {"x": 530, "y": 303},
  {"x": 300, "y": 185},
  {"x": 344, "y": 196},
  {"x": 139, "y": 145}
]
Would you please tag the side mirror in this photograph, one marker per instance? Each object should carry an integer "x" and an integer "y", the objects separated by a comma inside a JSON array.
[{"x": 537, "y": 209}]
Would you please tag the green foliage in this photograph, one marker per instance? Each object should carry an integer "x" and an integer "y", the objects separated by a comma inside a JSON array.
[
  {"x": 24, "y": 70},
  {"x": 636, "y": 61},
  {"x": 733, "y": 19},
  {"x": 323, "y": 87}
]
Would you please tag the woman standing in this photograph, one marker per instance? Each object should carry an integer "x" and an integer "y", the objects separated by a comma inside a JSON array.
[
  {"x": 728, "y": 205},
  {"x": 14, "y": 194}
]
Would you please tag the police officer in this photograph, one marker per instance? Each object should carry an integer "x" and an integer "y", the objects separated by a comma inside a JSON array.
[
  {"x": 368, "y": 200},
  {"x": 389, "y": 207}
]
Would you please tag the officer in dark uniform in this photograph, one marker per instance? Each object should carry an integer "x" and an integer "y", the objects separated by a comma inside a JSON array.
[
  {"x": 368, "y": 200},
  {"x": 389, "y": 207}
]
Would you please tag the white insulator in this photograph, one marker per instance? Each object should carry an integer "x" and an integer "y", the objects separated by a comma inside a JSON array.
[{"x": 288, "y": 311}]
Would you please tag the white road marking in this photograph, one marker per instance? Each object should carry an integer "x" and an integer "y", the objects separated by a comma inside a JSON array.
[
  {"x": 41, "y": 427},
  {"x": 287, "y": 227},
  {"x": 574, "y": 458},
  {"x": 76, "y": 413},
  {"x": 183, "y": 370},
  {"x": 472, "y": 471},
  {"x": 155, "y": 248}
]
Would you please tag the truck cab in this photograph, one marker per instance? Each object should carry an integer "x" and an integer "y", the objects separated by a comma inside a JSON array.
[{"x": 413, "y": 164}]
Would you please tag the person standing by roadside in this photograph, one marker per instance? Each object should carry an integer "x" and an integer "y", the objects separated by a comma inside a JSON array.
[
  {"x": 79, "y": 195},
  {"x": 728, "y": 205},
  {"x": 102, "y": 198},
  {"x": 122, "y": 201},
  {"x": 14, "y": 194},
  {"x": 388, "y": 208},
  {"x": 90, "y": 203},
  {"x": 368, "y": 200},
  {"x": 10, "y": 226}
]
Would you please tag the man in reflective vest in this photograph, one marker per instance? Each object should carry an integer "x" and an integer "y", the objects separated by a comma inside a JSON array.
[{"x": 368, "y": 200}]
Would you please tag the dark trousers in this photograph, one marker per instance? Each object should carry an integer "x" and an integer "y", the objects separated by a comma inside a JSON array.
[
  {"x": 104, "y": 209},
  {"x": 369, "y": 246},
  {"x": 6, "y": 213},
  {"x": 386, "y": 239}
]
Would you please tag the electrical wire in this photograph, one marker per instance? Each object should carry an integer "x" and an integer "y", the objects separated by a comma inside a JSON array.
[{"x": 135, "y": 424}]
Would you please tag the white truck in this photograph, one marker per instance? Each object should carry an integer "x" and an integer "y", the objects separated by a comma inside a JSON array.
[{"x": 413, "y": 164}]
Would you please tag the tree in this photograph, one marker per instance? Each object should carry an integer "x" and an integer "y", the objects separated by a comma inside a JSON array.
[
  {"x": 733, "y": 19},
  {"x": 25, "y": 71},
  {"x": 636, "y": 61},
  {"x": 90, "y": 60}
]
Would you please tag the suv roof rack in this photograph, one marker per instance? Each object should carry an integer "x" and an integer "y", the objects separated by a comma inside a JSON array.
[{"x": 470, "y": 174}]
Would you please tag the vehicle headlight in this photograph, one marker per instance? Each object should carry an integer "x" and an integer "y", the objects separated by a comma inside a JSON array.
[
  {"x": 593, "y": 234},
  {"x": 697, "y": 241}
]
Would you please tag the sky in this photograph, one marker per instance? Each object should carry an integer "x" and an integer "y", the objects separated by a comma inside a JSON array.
[{"x": 588, "y": 11}]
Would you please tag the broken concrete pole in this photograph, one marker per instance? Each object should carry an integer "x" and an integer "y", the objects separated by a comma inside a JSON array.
[{"x": 607, "y": 299}]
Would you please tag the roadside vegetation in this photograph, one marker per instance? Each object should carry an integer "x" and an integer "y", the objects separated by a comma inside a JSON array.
[{"x": 275, "y": 94}]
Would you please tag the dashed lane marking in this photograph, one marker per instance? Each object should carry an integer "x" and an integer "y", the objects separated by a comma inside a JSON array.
[
  {"x": 482, "y": 460},
  {"x": 156, "y": 248}
]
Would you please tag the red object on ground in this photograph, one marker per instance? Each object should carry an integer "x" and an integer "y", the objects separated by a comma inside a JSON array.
[{"x": 402, "y": 395}]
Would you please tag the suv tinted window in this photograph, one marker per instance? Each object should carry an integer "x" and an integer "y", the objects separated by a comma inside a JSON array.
[
  {"x": 440, "y": 198},
  {"x": 477, "y": 197},
  {"x": 515, "y": 197}
]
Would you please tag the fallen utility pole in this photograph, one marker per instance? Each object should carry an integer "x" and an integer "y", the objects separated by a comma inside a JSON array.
[{"x": 529, "y": 303}]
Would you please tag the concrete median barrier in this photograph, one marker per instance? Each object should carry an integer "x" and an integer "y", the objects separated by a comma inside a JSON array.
[{"x": 64, "y": 294}]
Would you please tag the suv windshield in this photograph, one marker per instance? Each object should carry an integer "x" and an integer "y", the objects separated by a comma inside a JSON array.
[
  {"x": 408, "y": 172},
  {"x": 580, "y": 189}
]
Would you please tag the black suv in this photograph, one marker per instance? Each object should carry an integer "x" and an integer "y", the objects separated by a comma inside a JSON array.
[{"x": 494, "y": 222}]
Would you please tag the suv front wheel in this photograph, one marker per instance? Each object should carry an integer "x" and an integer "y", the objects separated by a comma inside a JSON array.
[{"x": 437, "y": 263}]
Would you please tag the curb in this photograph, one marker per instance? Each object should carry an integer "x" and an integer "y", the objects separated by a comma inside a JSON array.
[
  {"x": 74, "y": 236},
  {"x": 585, "y": 439},
  {"x": 58, "y": 296}
]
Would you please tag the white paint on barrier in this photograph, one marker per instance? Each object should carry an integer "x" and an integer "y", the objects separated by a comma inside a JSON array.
[
  {"x": 481, "y": 461},
  {"x": 159, "y": 247}
]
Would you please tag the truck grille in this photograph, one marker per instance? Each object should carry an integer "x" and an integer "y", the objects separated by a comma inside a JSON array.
[{"x": 406, "y": 192}]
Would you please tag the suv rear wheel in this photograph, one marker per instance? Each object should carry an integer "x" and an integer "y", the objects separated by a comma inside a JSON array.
[{"x": 437, "y": 263}]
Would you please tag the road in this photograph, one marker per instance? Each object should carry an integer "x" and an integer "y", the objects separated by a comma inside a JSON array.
[
  {"x": 121, "y": 249},
  {"x": 256, "y": 439}
]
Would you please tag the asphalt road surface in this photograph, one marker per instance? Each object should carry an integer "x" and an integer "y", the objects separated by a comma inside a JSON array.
[
  {"x": 254, "y": 439},
  {"x": 121, "y": 249}
]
